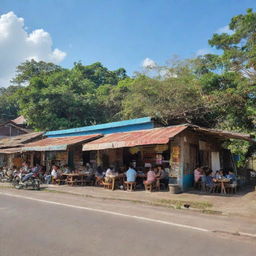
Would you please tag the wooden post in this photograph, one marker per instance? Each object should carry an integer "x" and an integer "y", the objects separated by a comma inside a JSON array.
[
  {"x": 32, "y": 159},
  {"x": 98, "y": 160}
]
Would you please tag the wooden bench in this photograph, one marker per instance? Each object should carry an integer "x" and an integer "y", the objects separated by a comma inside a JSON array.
[
  {"x": 150, "y": 186},
  {"x": 107, "y": 185},
  {"x": 130, "y": 186}
]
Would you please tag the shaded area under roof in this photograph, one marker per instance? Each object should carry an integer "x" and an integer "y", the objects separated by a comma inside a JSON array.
[
  {"x": 19, "y": 140},
  {"x": 101, "y": 126},
  {"x": 60, "y": 143},
  {"x": 135, "y": 138}
]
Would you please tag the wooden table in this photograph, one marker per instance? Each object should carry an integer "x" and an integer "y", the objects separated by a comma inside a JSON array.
[
  {"x": 222, "y": 184},
  {"x": 75, "y": 178},
  {"x": 114, "y": 178}
]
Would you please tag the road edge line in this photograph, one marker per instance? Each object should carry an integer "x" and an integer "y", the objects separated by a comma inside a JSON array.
[{"x": 109, "y": 212}]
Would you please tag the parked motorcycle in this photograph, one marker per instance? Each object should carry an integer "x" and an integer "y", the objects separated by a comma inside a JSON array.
[
  {"x": 6, "y": 175},
  {"x": 32, "y": 182}
]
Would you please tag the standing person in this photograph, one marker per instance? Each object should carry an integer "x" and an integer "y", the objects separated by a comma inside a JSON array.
[{"x": 131, "y": 174}]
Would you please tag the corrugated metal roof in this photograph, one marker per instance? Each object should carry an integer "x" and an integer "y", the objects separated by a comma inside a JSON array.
[
  {"x": 19, "y": 120},
  {"x": 10, "y": 150},
  {"x": 60, "y": 143},
  {"x": 101, "y": 126},
  {"x": 20, "y": 140},
  {"x": 130, "y": 139},
  {"x": 224, "y": 134}
]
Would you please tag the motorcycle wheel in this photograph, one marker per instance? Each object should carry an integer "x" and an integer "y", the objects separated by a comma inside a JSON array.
[
  {"x": 37, "y": 185},
  {"x": 15, "y": 183}
]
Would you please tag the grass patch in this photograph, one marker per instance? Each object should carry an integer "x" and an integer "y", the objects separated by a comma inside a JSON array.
[
  {"x": 178, "y": 204},
  {"x": 209, "y": 211}
]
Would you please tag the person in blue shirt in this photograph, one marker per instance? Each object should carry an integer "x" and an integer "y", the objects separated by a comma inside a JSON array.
[
  {"x": 232, "y": 177},
  {"x": 131, "y": 174}
]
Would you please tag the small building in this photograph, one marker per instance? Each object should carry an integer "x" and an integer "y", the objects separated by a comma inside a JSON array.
[
  {"x": 179, "y": 148},
  {"x": 121, "y": 126},
  {"x": 11, "y": 128},
  {"x": 60, "y": 151},
  {"x": 11, "y": 149}
]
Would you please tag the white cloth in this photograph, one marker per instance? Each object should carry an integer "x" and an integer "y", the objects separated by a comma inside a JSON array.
[{"x": 54, "y": 174}]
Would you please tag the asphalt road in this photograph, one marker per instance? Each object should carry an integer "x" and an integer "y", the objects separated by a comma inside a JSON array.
[{"x": 35, "y": 228}]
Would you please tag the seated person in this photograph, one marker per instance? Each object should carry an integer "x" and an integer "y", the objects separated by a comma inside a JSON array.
[
  {"x": 89, "y": 169},
  {"x": 131, "y": 174},
  {"x": 197, "y": 174},
  {"x": 210, "y": 181},
  {"x": 232, "y": 177},
  {"x": 47, "y": 177},
  {"x": 99, "y": 172},
  {"x": 205, "y": 171},
  {"x": 151, "y": 177},
  {"x": 9, "y": 172},
  {"x": 163, "y": 175},
  {"x": 110, "y": 173},
  {"x": 218, "y": 175},
  {"x": 66, "y": 169},
  {"x": 15, "y": 170},
  {"x": 33, "y": 171},
  {"x": 25, "y": 167},
  {"x": 54, "y": 172},
  {"x": 59, "y": 171}
]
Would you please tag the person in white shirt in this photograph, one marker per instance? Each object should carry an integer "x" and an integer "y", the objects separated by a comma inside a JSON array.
[
  {"x": 54, "y": 172},
  {"x": 110, "y": 172}
]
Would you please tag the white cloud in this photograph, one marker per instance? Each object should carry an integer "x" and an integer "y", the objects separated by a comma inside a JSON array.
[
  {"x": 224, "y": 29},
  {"x": 148, "y": 63},
  {"x": 17, "y": 46},
  {"x": 203, "y": 51}
]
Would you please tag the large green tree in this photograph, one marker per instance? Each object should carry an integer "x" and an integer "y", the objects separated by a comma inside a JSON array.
[
  {"x": 229, "y": 78},
  {"x": 63, "y": 98},
  {"x": 173, "y": 96}
]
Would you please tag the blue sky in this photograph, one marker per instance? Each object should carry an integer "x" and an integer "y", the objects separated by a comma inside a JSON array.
[{"x": 122, "y": 33}]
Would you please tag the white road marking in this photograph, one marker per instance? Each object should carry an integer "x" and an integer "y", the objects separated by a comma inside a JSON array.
[
  {"x": 121, "y": 214},
  {"x": 109, "y": 212}
]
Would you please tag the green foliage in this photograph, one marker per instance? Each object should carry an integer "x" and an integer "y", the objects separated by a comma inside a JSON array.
[
  {"x": 8, "y": 104},
  {"x": 239, "y": 48},
  {"x": 30, "y": 69},
  {"x": 173, "y": 98},
  {"x": 65, "y": 98},
  {"x": 240, "y": 148}
]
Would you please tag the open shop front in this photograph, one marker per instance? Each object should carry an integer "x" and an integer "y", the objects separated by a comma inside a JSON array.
[
  {"x": 60, "y": 151},
  {"x": 143, "y": 149}
]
